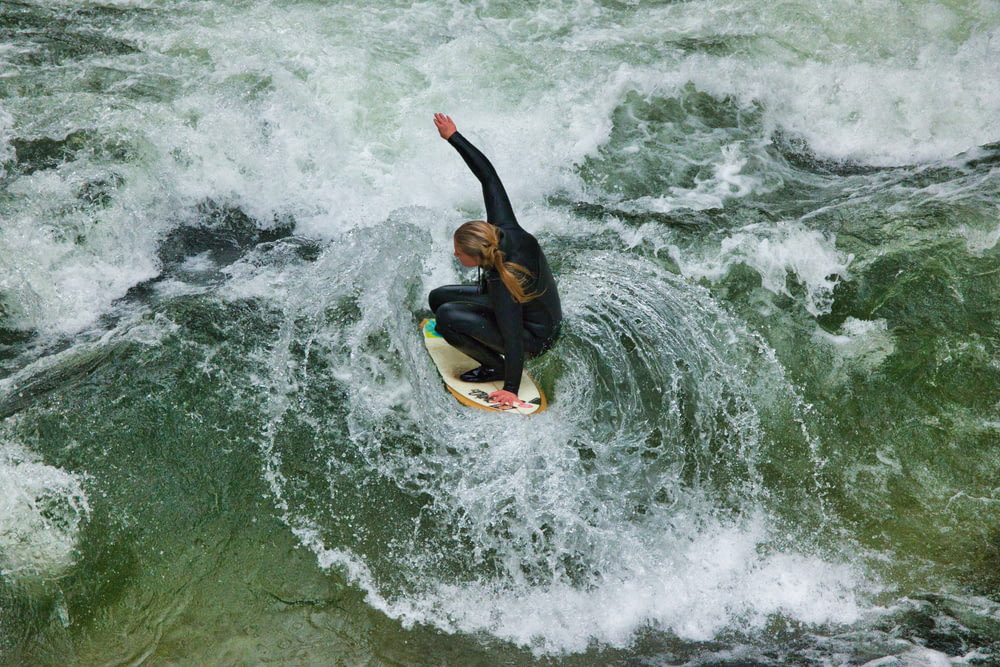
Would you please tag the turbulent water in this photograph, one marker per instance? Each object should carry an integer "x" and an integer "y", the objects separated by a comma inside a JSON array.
[{"x": 774, "y": 430}]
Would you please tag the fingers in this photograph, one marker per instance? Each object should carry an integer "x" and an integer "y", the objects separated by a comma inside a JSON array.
[
  {"x": 445, "y": 125},
  {"x": 505, "y": 399}
]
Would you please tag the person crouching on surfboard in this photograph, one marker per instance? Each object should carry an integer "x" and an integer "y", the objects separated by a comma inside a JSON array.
[{"x": 514, "y": 312}]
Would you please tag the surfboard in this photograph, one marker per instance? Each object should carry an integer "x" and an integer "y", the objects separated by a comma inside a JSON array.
[{"x": 451, "y": 363}]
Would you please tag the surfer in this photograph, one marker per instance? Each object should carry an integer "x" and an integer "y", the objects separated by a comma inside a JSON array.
[{"x": 513, "y": 313}]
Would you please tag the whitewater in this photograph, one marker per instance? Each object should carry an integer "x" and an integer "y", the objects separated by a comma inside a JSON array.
[{"x": 775, "y": 406}]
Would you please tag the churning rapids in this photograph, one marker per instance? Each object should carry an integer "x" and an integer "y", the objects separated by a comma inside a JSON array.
[{"x": 774, "y": 430}]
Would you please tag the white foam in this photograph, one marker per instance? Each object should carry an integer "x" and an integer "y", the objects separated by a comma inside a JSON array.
[
  {"x": 42, "y": 509},
  {"x": 718, "y": 580},
  {"x": 727, "y": 182},
  {"x": 778, "y": 253},
  {"x": 866, "y": 343},
  {"x": 979, "y": 241},
  {"x": 62, "y": 266},
  {"x": 883, "y": 84},
  {"x": 6, "y": 123},
  {"x": 298, "y": 113},
  {"x": 917, "y": 656},
  {"x": 860, "y": 347}
]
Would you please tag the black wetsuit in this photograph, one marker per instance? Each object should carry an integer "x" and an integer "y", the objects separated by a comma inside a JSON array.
[{"x": 484, "y": 321}]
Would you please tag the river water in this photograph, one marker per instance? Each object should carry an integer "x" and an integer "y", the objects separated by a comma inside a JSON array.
[{"x": 774, "y": 430}]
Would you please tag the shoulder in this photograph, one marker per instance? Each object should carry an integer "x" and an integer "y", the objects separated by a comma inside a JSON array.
[{"x": 519, "y": 241}]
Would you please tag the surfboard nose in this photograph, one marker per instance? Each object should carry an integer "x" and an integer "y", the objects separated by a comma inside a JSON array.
[{"x": 430, "y": 328}]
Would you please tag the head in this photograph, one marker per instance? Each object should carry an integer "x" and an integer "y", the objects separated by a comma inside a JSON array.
[{"x": 477, "y": 243}]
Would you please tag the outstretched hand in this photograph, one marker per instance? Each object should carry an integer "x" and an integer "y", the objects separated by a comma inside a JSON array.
[{"x": 445, "y": 125}]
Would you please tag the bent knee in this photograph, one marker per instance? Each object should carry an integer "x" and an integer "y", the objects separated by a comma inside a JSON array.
[
  {"x": 435, "y": 299},
  {"x": 455, "y": 318},
  {"x": 448, "y": 314}
]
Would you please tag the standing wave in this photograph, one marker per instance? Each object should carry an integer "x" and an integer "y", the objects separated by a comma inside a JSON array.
[{"x": 641, "y": 498}]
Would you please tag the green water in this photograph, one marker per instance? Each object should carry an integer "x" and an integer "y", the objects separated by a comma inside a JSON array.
[{"x": 775, "y": 409}]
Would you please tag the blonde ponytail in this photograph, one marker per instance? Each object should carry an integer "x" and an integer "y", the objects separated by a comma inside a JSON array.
[{"x": 481, "y": 241}]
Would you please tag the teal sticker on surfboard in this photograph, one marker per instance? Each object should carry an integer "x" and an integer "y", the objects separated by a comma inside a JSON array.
[{"x": 451, "y": 364}]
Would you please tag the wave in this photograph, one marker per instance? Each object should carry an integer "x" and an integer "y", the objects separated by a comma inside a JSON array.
[{"x": 640, "y": 490}]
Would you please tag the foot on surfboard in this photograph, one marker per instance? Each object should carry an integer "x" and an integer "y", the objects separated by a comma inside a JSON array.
[
  {"x": 451, "y": 363},
  {"x": 481, "y": 374}
]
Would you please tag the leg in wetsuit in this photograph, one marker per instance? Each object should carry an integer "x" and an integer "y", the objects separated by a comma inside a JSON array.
[{"x": 465, "y": 319}]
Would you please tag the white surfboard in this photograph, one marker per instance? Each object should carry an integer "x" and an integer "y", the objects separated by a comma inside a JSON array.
[{"x": 451, "y": 363}]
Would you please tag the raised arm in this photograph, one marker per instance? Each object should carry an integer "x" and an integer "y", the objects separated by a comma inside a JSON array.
[{"x": 498, "y": 209}]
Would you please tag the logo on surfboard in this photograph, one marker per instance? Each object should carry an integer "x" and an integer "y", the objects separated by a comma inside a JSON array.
[{"x": 485, "y": 397}]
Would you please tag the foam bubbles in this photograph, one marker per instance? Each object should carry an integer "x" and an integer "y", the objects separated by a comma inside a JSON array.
[
  {"x": 778, "y": 253},
  {"x": 56, "y": 284},
  {"x": 728, "y": 181},
  {"x": 42, "y": 509},
  {"x": 916, "y": 656},
  {"x": 718, "y": 581},
  {"x": 6, "y": 149},
  {"x": 979, "y": 241},
  {"x": 863, "y": 343},
  {"x": 886, "y": 84}
]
